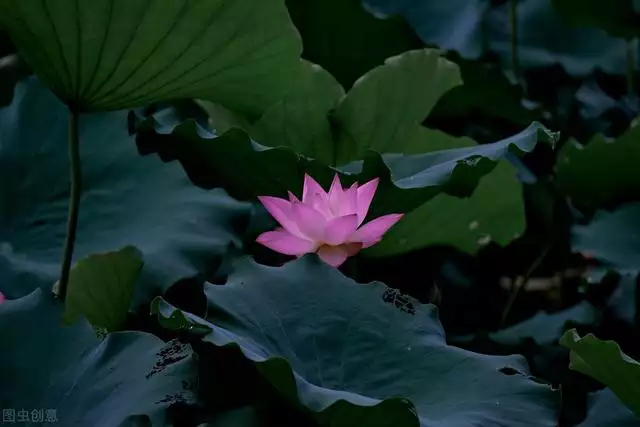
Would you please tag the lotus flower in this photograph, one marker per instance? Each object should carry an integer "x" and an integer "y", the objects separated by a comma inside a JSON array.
[
  {"x": 2, "y": 298},
  {"x": 327, "y": 223}
]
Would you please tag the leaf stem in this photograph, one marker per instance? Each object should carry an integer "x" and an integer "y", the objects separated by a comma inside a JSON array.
[
  {"x": 75, "y": 175},
  {"x": 513, "y": 23},
  {"x": 520, "y": 282}
]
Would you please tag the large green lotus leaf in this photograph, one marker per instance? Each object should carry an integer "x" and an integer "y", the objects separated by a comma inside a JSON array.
[
  {"x": 301, "y": 120},
  {"x": 342, "y": 37},
  {"x": 73, "y": 376},
  {"x": 544, "y": 40},
  {"x": 606, "y": 410},
  {"x": 493, "y": 213},
  {"x": 408, "y": 181},
  {"x": 344, "y": 350},
  {"x": 101, "y": 287},
  {"x": 127, "y": 199},
  {"x": 606, "y": 362},
  {"x": 602, "y": 173},
  {"x": 382, "y": 112},
  {"x": 612, "y": 238},
  {"x": 386, "y": 106},
  {"x": 114, "y": 54},
  {"x": 619, "y": 18}
]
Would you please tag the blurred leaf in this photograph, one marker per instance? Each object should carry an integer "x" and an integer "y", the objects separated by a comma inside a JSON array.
[
  {"x": 343, "y": 349},
  {"x": 605, "y": 361},
  {"x": 612, "y": 238},
  {"x": 623, "y": 302},
  {"x": 618, "y": 17},
  {"x": 542, "y": 329},
  {"x": 345, "y": 39},
  {"x": 605, "y": 106},
  {"x": 88, "y": 382},
  {"x": 601, "y": 174},
  {"x": 481, "y": 28},
  {"x": 493, "y": 213},
  {"x": 453, "y": 25},
  {"x": 109, "y": 54},
  {"x": 544, "y": 40},
  {"x": 546, "y": 328},
  {"x": 127, "y": 200},
  {"x": 606, "y": 410},
  {"x": 101, "y": 287}
]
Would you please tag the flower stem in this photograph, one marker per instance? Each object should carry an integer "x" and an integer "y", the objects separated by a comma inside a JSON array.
[
  {"x": 520, "y": 282},
  {"x": 75, "y": 174}
]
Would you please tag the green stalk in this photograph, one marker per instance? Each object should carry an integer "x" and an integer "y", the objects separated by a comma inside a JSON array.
[
  {"x": 75, "y": 175},
  {"x": 518, "y": 285}
]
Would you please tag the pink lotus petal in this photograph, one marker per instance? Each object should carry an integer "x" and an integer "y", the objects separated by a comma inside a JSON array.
[
  {"x": 339, "y": 229},
  {"x": 282, "y": 211},
  {"x": 335, "y": 256},
  {"x": 349, "y": 201},
  {"x": 311, "y": 189},
  {"x": 335, "y": 194},
  {"x": 285, "y": 243},
  {"x": 292, "y": 197},
  {"x": 310, "y": 222},
  {"x": 365, "y": 197},
  {"x": 372, "y": 232},
  {"x": 2, "y": 298},
  {"x": 352, "y": 248},
  {"x": 323, "y": 207}
]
